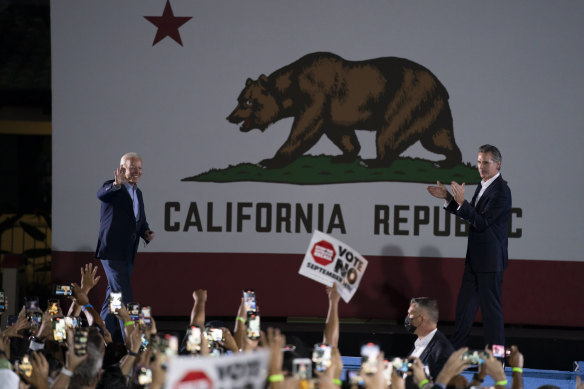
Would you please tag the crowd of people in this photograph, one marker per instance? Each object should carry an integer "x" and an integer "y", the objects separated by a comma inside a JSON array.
[{"x": 37, "y": 354}]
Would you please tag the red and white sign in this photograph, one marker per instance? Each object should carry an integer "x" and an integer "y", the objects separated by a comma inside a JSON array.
[
  {"x": 244, "y": 370},
  {"x": 330, "y": 261},
  {"x": 194, "y": 380},
  {"x": 323, "y": 252}
]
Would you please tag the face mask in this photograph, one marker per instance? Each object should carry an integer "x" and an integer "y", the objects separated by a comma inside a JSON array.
[{"x": 409, "y": 326}]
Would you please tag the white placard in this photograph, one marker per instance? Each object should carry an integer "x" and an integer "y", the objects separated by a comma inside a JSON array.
[
  {"x": 330, "y": 261},
  {"x": 244, "y": 370}
]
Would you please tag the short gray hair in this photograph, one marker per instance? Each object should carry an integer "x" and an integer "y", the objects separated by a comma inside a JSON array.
[{"x": 130, "y": 155}]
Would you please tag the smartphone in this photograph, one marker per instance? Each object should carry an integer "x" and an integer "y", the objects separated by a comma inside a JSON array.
[
  {"x": 72, "y": 322},
  {"x": 134, "y": 311},
  {"x": 321, "y": 356},
  {"x": 194, "y": 339},
  {"x": 2, "y": 301},
  {"x": 475, "y": 357},
  {"x": 171, "y": 343},
  {"x": 146, "y": 316},
  {"x": 302, "y": 368},
  {"x": 402, "y": 365},
  {"x": 53, "y": 306},
  {"x": 369, "y": 358},
  {"x": 80, "y": 342},
  {"x": 387, "y": 370},
  {"x": 143, "y": 376},
  {"x": 500, "y": 351},
  {"x": 355, "y": 378},
  {"x": 253, "y": 325},
  {"x": 214, "y": 334},
  {"x": 143, "y": 342},
  {"x": 63, "y": 290},
  {"x": 249, "y": 300},
  {"x": 115, "y": 300},
  {"x": 31, "y": 306},
  {"x": 35, "y": 319},
  {"x": 59, "y": 326},
  {"x": 23, "y": 366}
]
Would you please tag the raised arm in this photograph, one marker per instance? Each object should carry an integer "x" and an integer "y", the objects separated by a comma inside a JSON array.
[
  {"x": 331, "y": 329},
  {"x": 198, "y": 311}
]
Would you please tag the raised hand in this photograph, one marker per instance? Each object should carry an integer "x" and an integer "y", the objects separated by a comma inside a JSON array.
[
  {"x": 40, "y": 371},
  {"x": 439, "y": 191},
  {"x": 120, "y": 176},
  {"x": 457, "y": 192},
  {"x": 88, "y": 277}
]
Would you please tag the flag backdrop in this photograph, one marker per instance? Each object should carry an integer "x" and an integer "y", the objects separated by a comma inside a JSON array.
[{"x": 161, "y": 78}]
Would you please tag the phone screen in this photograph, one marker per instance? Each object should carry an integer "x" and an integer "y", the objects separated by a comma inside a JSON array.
[
  {"x": 35, "y": 319},
  {"x": 80, "y": 342},
  {"x": 24, "y": 367},
  {"x": 194, "y": 339},
  {"x": 144, "y": 376},
  {"x": 115, "y": 299},
  {"x": 59, "y": 326},
  {"x": 302, "y": 368},
  {"x": 321, "y": 356},
  {"x": 249, "y": 300},
  {"x": 53, "y": 307},
  {"x": 146, "y": 316},
  {"x": 498, "y": 351},
  {"x": 71, "y": 321},
  {"x": 63, "y": 290},
  {"x": 31, "y": 306},
  {"x": 143, "y": 342},
  {"x": 216, "y": 334},
  {"x": 172, "y": 345},
  {"x": 253, "y": 325},
  {"x": 2, "y": 301},
  {"x": 134, "y": 311},
  {"x": 369, "y": 356}
]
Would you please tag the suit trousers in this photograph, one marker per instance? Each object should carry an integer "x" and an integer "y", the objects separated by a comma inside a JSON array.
[
  {"x": 484, "y": 290},
  {"x": 118, "y": 280}
]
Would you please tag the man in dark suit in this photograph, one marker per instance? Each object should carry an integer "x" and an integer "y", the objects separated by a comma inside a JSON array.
[
  {"x": 122, "y": 224},
  {"x": 486, "y": 255},
  {"x": 432, "y": 346}
]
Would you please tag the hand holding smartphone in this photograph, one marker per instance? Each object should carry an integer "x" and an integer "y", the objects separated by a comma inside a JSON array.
[
  {"x": 53, "y": 307},
  {"x": 322, "y": 357},
  {"x": 253, "y": 325},
  {"x": 194, "y": 339},
  {"x": 249, "y": 300},
  {"x": 59, "y": 328},
  {"x": 146, "y": 316},
  {"x": 369, "y": 358},
  {"x": 115, "y": 302},
  {"x": 80, "y": 342}
]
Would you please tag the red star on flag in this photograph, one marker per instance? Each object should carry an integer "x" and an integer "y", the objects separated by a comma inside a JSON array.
[{"x": 168, "y": 24}]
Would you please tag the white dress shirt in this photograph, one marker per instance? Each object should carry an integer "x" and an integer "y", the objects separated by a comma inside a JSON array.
[{"x": 421, "y": 343}]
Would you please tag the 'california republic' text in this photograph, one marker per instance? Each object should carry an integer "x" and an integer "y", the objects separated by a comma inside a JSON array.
[{"x": 263, "y": 217}]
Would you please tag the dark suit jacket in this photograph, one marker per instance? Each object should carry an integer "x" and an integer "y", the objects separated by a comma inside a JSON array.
[
  {"x": 436, "y": 353},
  {"x": 488, "y": 219},
  {"x": 118, "y": 232}
]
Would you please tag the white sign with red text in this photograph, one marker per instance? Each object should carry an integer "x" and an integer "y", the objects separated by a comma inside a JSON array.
[
  {"x": 330, "y": 261},
  {"x": 244, "y": 370}
]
